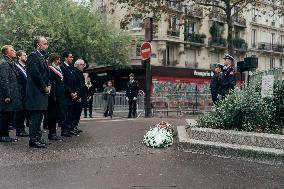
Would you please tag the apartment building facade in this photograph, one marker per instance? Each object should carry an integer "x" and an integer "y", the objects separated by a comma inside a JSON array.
[{"x": 184, "y": 49}]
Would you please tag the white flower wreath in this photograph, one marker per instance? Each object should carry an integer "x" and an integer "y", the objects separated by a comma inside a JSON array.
[{"x": 159, "y": 137}]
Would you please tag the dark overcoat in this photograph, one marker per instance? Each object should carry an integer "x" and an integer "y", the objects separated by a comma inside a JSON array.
[
  {"x": 80, "y": 87},
  {"x": 57, "y": 99},
  {"x": 10, "y": 86},
  {"x": 69, "y": 81},
  {"x": 38, "y": 79}
]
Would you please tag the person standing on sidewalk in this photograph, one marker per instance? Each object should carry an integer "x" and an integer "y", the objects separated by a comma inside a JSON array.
[
  {"x": 131, "y": 95},
  {"x": 81, "y": 99},
  {"x": 109, "y": 95},
  {"x": 37, "y": 90},
  {"x": 89, "y": 105},
  {"x": 70, "y": 92},
  {"x": 228, "y": 78},
  {"x": 21, "y": 116},
  {"x": 215, "y": 83},
  {"x": 56, "y": 101},
  {"x": 10, "y": 92}
]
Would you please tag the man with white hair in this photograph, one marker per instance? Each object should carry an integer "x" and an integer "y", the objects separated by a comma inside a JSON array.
[
  {"x": 82, "y": 95},
  {"x": 228, "y": 78}
]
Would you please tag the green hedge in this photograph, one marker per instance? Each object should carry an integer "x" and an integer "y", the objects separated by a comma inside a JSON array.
[{"x": 245, "y": 110}]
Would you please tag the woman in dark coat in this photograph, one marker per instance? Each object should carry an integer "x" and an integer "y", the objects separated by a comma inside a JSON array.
[
  {"x": 109, "y": 94},
  {"x": 89, "y": 105},
  {"x": 56, "y": 101}
]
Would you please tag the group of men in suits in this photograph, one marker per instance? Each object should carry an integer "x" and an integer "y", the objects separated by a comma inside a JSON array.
[{"x": 34, "y": 87}]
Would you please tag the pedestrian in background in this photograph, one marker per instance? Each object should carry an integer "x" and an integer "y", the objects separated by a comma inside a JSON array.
[
  {"x": 81, "y": 99},
  {"x": 37, "y": 90},
  {"x": 21, "y": 116},
  {"x": 215, "y": 84},
  {"x": 109, "y": 96},
  {"x": 131, "y": 95},
  {"x": 228, "y": 78},
  {"x": 90, "y": 92},
  {"x": 10, "y": 92}
]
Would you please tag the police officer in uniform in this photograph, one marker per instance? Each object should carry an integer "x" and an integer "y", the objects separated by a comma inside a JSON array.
[
  {"x": 215, "y": 83},
  {"x": 228, "y": 78},
  {"x": 131, "y": 95}
]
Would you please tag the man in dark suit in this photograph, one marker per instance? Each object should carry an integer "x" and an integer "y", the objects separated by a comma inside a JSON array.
[
  {"x": 81, "y": 100},
  {"x": 70, "y": 92},
  {"x": 10, "y": 92},
  {"x": 131, "y": 95},
  {"x": 21, "y": 116},
  {"x": 37, "y": 90}
]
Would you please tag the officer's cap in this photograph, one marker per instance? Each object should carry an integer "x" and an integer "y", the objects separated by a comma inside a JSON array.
[
  {"x": 227, "y": 56},
  {"x": 131, "y": 75}
]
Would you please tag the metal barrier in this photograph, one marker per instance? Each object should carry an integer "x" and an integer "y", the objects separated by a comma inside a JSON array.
[
  {"x": 278, "y": 74},
  {"x": 179, "y": 102},
  {"x": 121, "y": 103}
]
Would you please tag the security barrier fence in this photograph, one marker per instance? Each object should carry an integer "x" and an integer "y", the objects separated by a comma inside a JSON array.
[{"x": 164, "y": 102}]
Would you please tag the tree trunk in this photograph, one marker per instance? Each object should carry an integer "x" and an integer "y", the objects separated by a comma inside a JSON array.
[{"x": 230, "y": 33}]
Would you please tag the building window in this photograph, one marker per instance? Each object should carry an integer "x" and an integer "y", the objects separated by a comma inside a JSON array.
[
  {"x": 280, "y": 62},
  {"x": 173, "y": 23},
  {"x": 272, "y": 61},
  {"x": 192, "y": 27},
  {"x": 282, "y": 39},
  {"x": 253, "y": 38},
  {"x": 254, "y": 15},
  {"x": 170, "y": 55},
  {"x": 137, "y": 21},
  {"x": 135, "y": 51},
  {"x": 272, "y": 38},
  {"x": 190, "y": 58}
]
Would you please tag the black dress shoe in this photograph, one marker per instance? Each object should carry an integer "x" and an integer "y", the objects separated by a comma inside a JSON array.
[
  {"x": 54, "y": 137},
  {"x": 73, "y": 132},
  {"x": 8, "y": 139},
  {"x": 65, "y": 134},
  {"x": 90, "y": 116},
  {"x": 44, "y": 142},
  {"x": 22, "y": 134},
  {"x": 77, "y": 130},
  {"x": 37, "y": 145},
  {"x": 85, "y": 116}
]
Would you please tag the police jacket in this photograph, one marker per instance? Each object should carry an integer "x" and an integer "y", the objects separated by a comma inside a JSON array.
[{"x": 132, "y": 89}]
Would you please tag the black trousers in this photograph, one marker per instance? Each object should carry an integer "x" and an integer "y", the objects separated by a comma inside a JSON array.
[
  {"x": 132, "y": 107},
  {"x": 66, "y": 123},
  {"x": 19, "y": 120},
  {"x": 35, "y": 120},
  {"x": 76, "y": 114},
  {"x": 215, "y": 97},
  {"x": 5, "y": 119},
  {"x": 56, "y": 113},
  {"x": 89, "y": 105}
]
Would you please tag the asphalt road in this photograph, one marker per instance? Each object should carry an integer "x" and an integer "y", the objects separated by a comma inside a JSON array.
[{"x": 109, "y": 154}]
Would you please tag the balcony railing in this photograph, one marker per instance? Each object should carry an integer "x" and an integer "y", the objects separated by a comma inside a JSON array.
[
  {"x": 278, "y": 48},
  {"x": 240, "y": 44},
  {"x": 265, "y": 46},
  {"x": 218, "y": 42},
  {"x": 217, "y": 16},
  {"x": 240, "y": 21},
  {"x": 195, "y": 38},
  {"x": 173, "y": 32},
  {"x": 196, "y": 12}
]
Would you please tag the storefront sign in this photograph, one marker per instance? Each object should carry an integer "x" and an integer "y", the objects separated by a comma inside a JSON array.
[{"x": 202, "y": 73}]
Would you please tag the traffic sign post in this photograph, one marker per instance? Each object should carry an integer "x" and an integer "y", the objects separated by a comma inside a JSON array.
[{"x": 146, "y": 52}]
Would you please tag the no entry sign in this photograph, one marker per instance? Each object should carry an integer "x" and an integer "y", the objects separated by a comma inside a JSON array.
[{"x": 146, "y": 50}]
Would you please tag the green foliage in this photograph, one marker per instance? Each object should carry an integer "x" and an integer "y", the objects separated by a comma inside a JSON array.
[
  {"x": 68, "y": 26},
  {"x": 245, "y": 110}
]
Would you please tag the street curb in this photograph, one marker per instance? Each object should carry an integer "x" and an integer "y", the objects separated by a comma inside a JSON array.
[{"x": 263, "y": 154}]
